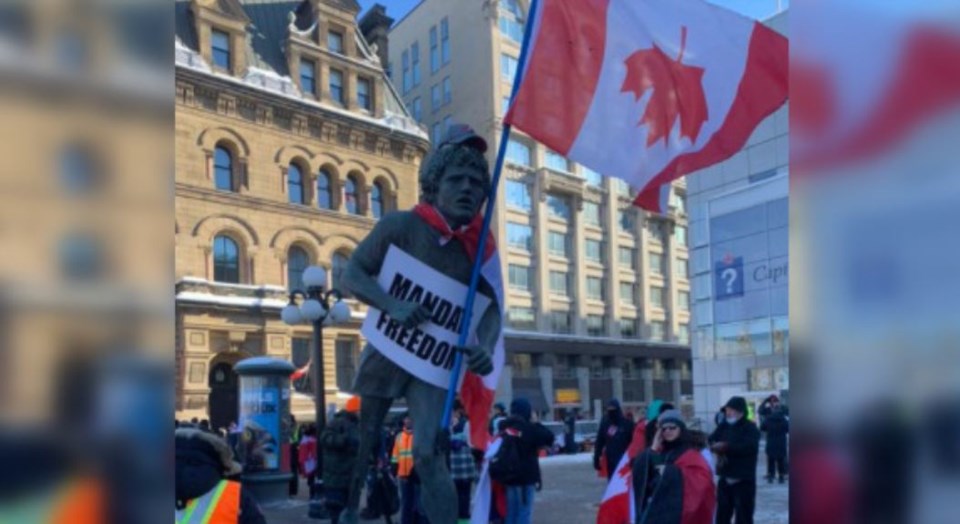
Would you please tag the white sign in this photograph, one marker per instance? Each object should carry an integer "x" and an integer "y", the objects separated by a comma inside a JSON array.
[{"x": 425, "y": 351}]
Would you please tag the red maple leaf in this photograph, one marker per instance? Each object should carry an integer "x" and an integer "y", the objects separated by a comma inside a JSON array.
[{"x": 677, "y": 92}]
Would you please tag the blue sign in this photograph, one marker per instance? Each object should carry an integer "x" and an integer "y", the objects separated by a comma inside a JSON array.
[{"x": 728, "y": 278}]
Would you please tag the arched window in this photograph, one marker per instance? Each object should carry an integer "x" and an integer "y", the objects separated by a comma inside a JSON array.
[
  {"x": 376, "y": 200},
  {"x": 297, "y": 262},
  {"x": 295, "y": 184},
  {"x": 223, "y": 168},
  {"x": 226, "y": 260},
  {"x": 324, "y": 200},
  {"x": 350, "y": 195},
  {"x": 339, "y": 265}
]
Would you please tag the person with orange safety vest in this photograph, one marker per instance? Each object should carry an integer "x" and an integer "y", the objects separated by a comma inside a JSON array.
[{"x": 204, "y": 495}]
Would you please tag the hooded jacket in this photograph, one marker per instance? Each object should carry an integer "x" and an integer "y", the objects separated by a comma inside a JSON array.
[
  {"x": 739, "y": 461},
  {"x": 776, "y": 426},
  {"x": 340, "y": 441},
  {"x": 613, "y": 437},
  {"x": 533, "y": 436}
]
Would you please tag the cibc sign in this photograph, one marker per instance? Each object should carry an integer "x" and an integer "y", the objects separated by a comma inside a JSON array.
[{"x": 728, "y": 276}]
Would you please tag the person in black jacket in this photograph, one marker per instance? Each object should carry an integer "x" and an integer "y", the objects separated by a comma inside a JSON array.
[
  {"x": 340, "y": 442},
  {"x": 737, "y": 442},
  {"x": 776, "y": 425},
  {"x": 533, "y": 436},
  {"x": 613, "y": 438}
]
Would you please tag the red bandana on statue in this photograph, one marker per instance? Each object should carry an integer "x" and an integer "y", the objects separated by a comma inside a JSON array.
[{"x": 468, "y": 235}]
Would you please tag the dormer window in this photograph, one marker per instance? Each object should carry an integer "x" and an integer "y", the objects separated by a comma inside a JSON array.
[
  {"x": 308, "y": 80},
  {"x": 363, "y": 93},
  {"x": 335, "y": 42},
  {"x": 220, "y": 49}
]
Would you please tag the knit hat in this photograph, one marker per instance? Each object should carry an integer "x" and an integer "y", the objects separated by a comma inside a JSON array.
[
  {"x": 672, "y": 416},
  {"x": 521, "y": 407},
  {"x": 353, "y": 405},
  {"x": 737, "y": 403},
  {"x": 197, "y": 443}
]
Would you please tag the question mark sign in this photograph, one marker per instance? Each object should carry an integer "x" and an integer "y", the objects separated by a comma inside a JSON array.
[{"x": 729, "y": 276}]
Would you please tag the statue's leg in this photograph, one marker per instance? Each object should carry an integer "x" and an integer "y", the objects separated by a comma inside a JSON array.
[
  {"x": 372, "y": 412},
  {"x": 440, "y": 494}
]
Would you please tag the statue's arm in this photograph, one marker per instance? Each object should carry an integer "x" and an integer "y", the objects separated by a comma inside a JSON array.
[{"x": 489, "y": 328}]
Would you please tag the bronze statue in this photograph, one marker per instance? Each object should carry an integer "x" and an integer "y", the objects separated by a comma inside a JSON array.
[{"x": 454, "y": 182}]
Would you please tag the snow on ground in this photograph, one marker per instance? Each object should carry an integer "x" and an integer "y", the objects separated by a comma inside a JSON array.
[{"x": 556, "y": 460}]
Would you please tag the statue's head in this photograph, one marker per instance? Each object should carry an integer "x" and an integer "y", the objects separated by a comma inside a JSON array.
[{"x": 455, "y": 178}]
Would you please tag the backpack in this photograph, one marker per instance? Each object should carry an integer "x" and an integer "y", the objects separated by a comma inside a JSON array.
[{"x": 505, "y": 466}]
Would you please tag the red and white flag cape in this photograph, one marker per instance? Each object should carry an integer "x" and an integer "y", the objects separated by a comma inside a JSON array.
[
  {"x": 617, "y": 506},
  {"x": 647, "y": 90},
  {"x": 477, "y": 392}
]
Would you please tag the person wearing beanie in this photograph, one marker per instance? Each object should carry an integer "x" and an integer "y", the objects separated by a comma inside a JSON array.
[
  {"x": 672, "y": 483},
  {"x": 204, "y": 463},
  {"x": 737, "y": 443},
  {"x": 340, "y": 442},
  {"x": 651, "y": 428},
  {"x": 613, "y": 437},
  {"x": 776, "y": 425}
]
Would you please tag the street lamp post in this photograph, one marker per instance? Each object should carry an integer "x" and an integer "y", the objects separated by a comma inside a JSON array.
[{"x": 315, "y": 308}]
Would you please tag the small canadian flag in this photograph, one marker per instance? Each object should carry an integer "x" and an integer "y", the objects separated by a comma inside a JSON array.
[{"x": 647, "y": 90}]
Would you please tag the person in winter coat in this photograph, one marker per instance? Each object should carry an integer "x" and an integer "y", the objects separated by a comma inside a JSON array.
[
  {"x": 672, "y": 483},
  {"x": 776, "y": 425},
  {"x": 651, "y": 429},
  {"x": 737, "y": 442},
  {"x": 463, "y": 469},
  {"x": 613, "y": 438},
  {"x": 340, "y": 441},
  {"x": 569, "y": 433},
  {"x": 204, "y": 466},
  {"x": 533, "y": 436},
  {"x": 308, "y": 458}
]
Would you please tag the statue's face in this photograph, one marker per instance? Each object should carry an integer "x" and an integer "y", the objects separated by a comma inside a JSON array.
[{"x": 460, "y": 195}]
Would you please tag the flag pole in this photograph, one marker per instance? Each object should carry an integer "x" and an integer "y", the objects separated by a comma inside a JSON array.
[{"x": 487, "y": 216}]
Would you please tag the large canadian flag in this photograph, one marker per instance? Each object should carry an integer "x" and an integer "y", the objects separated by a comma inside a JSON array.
[{"x": 647, "y": 90}]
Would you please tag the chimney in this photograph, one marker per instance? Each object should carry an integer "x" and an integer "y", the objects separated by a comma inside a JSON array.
[{"x": 375, "y": 26}]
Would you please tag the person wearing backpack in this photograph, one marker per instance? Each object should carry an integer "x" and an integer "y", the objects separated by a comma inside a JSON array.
[{"x": 516, "y": 463}]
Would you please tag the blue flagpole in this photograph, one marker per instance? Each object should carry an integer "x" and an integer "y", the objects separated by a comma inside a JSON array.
[{"x": 487, "y": 216}]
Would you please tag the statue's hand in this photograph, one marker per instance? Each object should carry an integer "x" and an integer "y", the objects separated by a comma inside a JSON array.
[
  {"x": 478, "y": 359},
  {"x": 409, "y": 314}
]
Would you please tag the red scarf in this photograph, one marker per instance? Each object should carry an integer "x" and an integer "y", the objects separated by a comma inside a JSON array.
[{"x": 468, "y": 235}]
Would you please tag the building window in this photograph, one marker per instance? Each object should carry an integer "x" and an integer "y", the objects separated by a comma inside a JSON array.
[
  {"x": 78, "y": 170},
  {"x": 626, "y": 220},
  {"x": 405, "y": 59},
  {"x": 338, "y": 265},
  {"x": 561, "y": 322},
  {"x": 447, "y": 122},
  {"x": 363, "y": 94},
  {"x": 595, "y": 288},
  {"x": 594, "y": 249},
  {"x": 295, "y": 184},
  {"x": 297, "y": 262},
  {"x": 220, "y": 49},
  {"x": 511, "y": 20},
  {"x": 447, "y": 91},
  {"x": 226, "y": 260},
  {"x": 436, "y": 133},
  {"x": 518, "y": 195},
  {"x": 435, "y": 97},
  {"x": 592, "y": 177},
  {"x": 350, "y": 195},
  {"x": 628, "y": 329},
  {"x": 559, "y": 207},
  {"x": 680, "y": 235},
  {"x": 591, "y": 213},
  {"x": 556, "y": 161},
  {"x": 519, "y": 236},
  {"x": 657, "y": 296},
  {"x": 622, "y": 187},
  {"x": 335, "y": 42},
  {"x": 558, "y": 243},
  {"x": 627, "y": 257},
  {"x": 336, "y": 86},
  {"x": 415, "y": 59},
  {"x": 658, "y": 330},
  {"x": 81, "y": 257},
  {"x": 683, "y": 333},
  {"x": 223, "y": 169},
  {"x": 521, "y": 318},
  {"x": 444, "y": 42},
  {"x": 508, "y": 67},
  {"x": 417, "y": 110},
  {"x": 678, "y": 202},
  {"x": 681, "y": 268},
  {"x": 627, "y": 293},
  {"x": 518, "y": 153},
  {"x": 300, "y": 354},
  {"x": 308, "y": 78},
  {"x": 519, "y": 277},
  {"x": 656, "y": 263},
  {"x": 347, "y": 357},
  {"x": 434, "y": 51},
  {"x": 324, "y": 200},
  {"x": 595, "y": 327},
  {"x": 376, "y": 200},
  {"x": 559, "y": 283},
  {"x": 655, "y": 229},
  {"x": 683, "y": 300}
]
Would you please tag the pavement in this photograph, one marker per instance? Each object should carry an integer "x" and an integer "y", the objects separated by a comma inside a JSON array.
[{"x": 571, "y": 495}]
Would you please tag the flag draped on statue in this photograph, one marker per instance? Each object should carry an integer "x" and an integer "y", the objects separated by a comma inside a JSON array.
[
  {"x": 647, "y": 90},
  {"x": 477, "y": 392}
]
